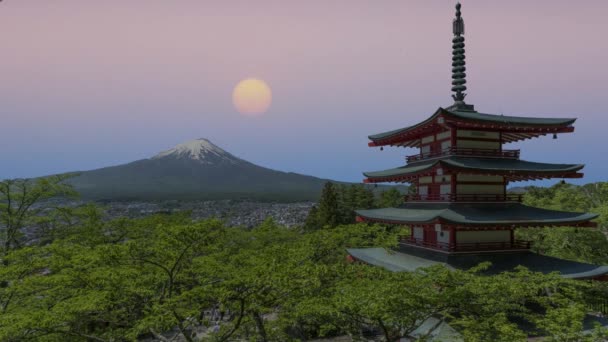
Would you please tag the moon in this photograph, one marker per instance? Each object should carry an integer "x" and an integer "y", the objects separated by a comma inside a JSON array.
[{"x": 252, "y": 97}]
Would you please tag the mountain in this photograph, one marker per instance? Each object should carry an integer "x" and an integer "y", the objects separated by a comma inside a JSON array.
[{"x": 196, "y": 169}]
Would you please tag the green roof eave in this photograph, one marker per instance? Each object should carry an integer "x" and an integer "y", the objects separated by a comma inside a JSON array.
[
  {"x": 403, "y": 170},
  {"x": 481, "y": 117},
  {"x": 388, "y": 134},
  {"x": 498, "y": 165},
  {"x": 511, "y": 120},
  {"x": 391, "y": 260},
  {"x": 475, "y": 214},
  {"x": 410, "y": 261}
]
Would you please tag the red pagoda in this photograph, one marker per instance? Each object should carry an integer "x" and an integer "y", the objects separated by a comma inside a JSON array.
[{"x": 461, "y": 213}]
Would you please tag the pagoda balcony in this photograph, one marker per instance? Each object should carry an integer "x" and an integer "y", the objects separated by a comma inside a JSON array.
[
  {"x": 464, "y": 198},
  {"x": 467, "y": 247},
  {"x": 464, "y": 152}
]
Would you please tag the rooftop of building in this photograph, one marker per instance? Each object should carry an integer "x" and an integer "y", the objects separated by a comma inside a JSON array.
[
  {"x": 409, "y": 258},
  {"x": 473, "y": 116},
  {"x": 482, "y": 214},
  {"x": 496, "y": 166}
]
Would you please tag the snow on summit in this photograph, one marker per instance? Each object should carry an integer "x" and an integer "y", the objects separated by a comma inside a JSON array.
[{"x": 200, "y": 149}]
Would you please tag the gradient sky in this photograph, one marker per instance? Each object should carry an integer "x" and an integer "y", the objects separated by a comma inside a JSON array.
[{"x": 87, "y": 84}]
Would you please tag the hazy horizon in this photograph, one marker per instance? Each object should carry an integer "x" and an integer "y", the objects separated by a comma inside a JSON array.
[{"x": 91, "y": 85}]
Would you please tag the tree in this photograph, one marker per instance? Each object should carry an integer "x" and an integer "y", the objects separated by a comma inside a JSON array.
[
  {"x": 329, "y": 208},
  {"x": 390, "y": 198},
  {"x": 166, "y": 275},
  {"x": 312, "y": 220},
  {"x": 361, "y": 196},
  {"x": 109, "y": 280},
  {"x": 581, "y": 244},
  {"x": 18, "y": 198},
  {"x": 395, "y": 302},
  {"x": 338, "y": 204}
]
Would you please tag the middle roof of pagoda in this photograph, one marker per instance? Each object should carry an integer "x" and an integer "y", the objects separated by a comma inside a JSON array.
[
  {"x": 523, "y": 127},
  {"x": 512, "y": 169},
  {"x": 482, "y": 214}
]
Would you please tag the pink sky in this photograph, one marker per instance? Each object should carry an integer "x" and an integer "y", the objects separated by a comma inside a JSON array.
[{"x": 86, "y": 84}]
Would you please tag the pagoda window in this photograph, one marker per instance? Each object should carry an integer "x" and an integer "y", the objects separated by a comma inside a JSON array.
[
  {"x": 445, "y": 189},
  {"x": 427, "y": 139},
  {"x": 425, "y": 180},
  {"x": 444, "y": 135},
  {"x": 446, "y": 145},
  {"x": 443, "y": 237},
  {"x": 425, "y": 149},
  {"x": 443, "y": 179},
  {"x": 418, "y": 233}
]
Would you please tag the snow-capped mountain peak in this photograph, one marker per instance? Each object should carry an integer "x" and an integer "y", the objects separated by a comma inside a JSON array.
[{"x": 201, "y": 150}]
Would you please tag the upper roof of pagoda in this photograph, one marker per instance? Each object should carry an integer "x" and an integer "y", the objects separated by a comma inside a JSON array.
[{"x": 514, "y": 128}]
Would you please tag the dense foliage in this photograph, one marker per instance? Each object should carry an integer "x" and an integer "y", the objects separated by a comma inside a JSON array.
[
  {"x": 580, "y": 244},
  {"x": 89, "y": 278},
  {"x": 338, "y": 203}
]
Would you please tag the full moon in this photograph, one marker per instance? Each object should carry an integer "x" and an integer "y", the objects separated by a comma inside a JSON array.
[{"x": 252, "y": 97}]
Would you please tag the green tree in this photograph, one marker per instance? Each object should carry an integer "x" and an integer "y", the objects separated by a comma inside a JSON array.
[
  {"x": 581, "y": 244},
  {"x": 362, "y": 197},
  {"x": 329, "y": 207},
  {"x": 128, "y": 279},
  {"x": 312, "y": 220},
  {"x": 390, "y": 198},
  {"x": 18, "y": 199},
  {"x": 395, "y": 302}
]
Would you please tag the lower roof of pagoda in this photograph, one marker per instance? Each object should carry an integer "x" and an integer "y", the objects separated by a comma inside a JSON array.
[
  {"x": 474, "y": 215},
  {"x": 516, "y": 127},
  {"x": 411, "y": 259},
  {"x": 512, "y": 169}
]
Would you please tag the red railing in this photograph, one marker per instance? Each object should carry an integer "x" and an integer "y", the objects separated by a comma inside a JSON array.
[
  {"x": 468, "y": 152},
  {"x": 468, "y": 247},
  {"x": 465, "y": 198}
]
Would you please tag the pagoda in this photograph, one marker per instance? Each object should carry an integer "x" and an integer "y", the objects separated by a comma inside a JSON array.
[{"x": 461, "y": 213}]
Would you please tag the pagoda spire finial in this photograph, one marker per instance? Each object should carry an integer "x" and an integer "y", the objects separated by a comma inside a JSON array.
[{"x": 458, "y": 64}]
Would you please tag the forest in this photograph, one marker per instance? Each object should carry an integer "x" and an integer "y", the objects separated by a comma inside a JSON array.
[{"x": 73, "y": 274}]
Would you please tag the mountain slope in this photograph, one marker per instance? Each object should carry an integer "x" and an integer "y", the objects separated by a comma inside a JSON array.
[{"x": 197, "y": 169}]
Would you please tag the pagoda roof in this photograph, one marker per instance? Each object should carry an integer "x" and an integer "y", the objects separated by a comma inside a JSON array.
[
  {"x": 514, "y": 169},
  {"x": 482, "y": 214},
  {"x": 408, "y": 260},
  {"x": 526, "y": 127}
]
